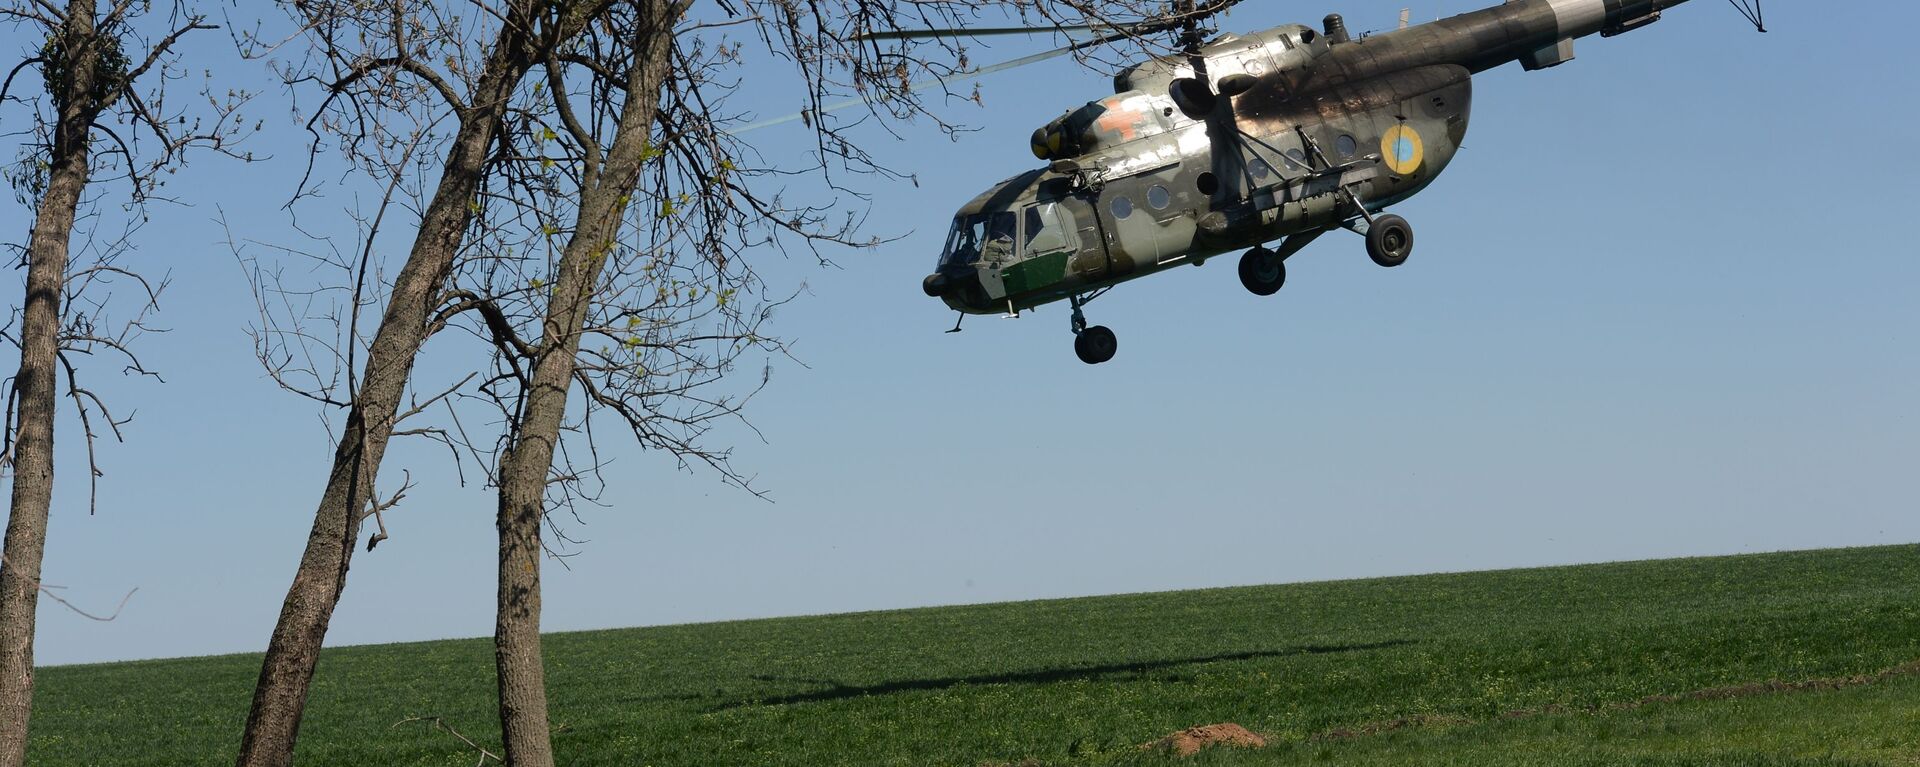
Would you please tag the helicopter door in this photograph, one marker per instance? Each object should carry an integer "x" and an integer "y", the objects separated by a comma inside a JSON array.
[
  {"x": 1045, "y": 234},
  {"x": 1047, "y": 244},
  {"x": 1081, "y": 213}
]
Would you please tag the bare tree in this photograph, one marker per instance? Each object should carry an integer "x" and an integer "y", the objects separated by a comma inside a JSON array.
[
  {"x": 91, "y": 88},
  {"x": 389, "y": 74},
  {"x": 622, "y": 126},
  {"x": 613, "y": 260},
  {"x": 606, "y": 180}
]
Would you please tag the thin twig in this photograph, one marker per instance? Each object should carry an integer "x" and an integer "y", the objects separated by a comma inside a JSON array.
[{"x": 442, "y": 724}]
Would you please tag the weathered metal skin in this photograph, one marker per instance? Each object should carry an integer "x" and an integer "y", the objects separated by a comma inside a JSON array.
[{"x": 1138, "y": 186}]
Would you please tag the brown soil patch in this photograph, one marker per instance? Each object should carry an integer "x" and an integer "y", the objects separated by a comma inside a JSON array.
[{"x": 1189, "y": 741}]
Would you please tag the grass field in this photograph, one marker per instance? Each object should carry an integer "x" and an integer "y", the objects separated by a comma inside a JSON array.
[{"x": 1644, "y": 663}]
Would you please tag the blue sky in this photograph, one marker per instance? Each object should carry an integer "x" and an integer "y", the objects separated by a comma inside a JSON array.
[{"x": 1661, "y": 304}]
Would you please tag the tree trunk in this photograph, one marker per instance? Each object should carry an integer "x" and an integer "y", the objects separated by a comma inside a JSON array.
[
  {"x": 524, "y": 729},
  {"x": 524, "y": 466},
  {"x": 281, "y": 695},
  {"x": 34, "y": 384}
]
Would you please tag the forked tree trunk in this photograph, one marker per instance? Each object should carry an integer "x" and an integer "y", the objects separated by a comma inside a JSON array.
[
  {"x": 281, "y": 695},
  {"x": 34, "y": 384},
  {"x": 524, "y": 466}
]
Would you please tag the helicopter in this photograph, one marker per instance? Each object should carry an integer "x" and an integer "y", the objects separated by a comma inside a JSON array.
[{"x": 1238, "y": 141}]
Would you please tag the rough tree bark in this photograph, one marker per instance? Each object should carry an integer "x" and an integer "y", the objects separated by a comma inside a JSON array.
[
  {"x": 34, "y": 385},
  {"x": 528, "y": 457},
  {"x": 280, "y": 696}
]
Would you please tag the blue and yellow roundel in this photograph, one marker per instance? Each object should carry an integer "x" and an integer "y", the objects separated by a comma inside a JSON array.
[{"x": 1400, "y": 148}]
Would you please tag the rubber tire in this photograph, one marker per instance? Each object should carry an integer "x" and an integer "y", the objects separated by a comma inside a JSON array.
[
  {"x": 1095, "y": 345},
  {"x": 1389, "y": 240},
  {"x": 1262, "y": 279}
]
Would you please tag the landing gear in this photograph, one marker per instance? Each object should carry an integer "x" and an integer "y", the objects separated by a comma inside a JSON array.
[
  {"x": 1262, "y": 271},
  {"x": 1096, "y": 344},
  {"x": 1389, "y": 240}
]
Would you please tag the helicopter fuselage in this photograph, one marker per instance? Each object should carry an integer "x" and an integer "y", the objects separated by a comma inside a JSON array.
[{"x": 1313, "y": 132}]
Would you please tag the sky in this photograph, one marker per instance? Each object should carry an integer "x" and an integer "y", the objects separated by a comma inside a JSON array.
[{"x": 1661, "y": 304}]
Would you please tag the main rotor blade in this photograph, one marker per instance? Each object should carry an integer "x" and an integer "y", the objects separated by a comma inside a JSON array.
[
  {"x": 1150, "y": 24},
  {"x": 1111, "y": 33},
  {"x": 955, "y": 78},
  {"x": 926, "y": 34}
]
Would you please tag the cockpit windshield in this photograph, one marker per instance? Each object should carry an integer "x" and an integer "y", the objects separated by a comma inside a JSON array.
[{"x": 981, "y": 235}]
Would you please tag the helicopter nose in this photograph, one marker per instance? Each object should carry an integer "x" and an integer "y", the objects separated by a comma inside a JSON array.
[{"x": 935, "y": 285}]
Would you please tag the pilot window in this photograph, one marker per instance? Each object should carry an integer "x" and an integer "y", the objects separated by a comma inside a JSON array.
[
  {"x": 982, "y": 234},
  {"x": 1043, "y": 230}
]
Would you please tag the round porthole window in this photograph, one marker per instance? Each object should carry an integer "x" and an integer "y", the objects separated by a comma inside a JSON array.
[
  {"x": 1157, "y": 197},
  {"x": 1122, "y": 207},
  {"x": 1207, "y": 184},
  {"x": 1346, "y": 145},
  {"x": 1296, "y": 159},
  {"x": 1258, "y": 168}
]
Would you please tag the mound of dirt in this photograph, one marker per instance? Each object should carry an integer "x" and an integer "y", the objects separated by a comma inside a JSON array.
[{"x": 1189, "y": 741}]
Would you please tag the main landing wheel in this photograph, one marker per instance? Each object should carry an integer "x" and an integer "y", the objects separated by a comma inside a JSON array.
[
  {"x": 1389, "y": 240},
  {"x": 1262, "y": 272},
  {"x": 1095, "y": 345}
]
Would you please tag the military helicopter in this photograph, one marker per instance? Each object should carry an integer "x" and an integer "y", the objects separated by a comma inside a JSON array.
[{"x": 1234, "y": 142}]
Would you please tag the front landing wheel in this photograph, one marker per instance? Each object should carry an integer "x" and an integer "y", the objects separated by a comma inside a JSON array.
[
  {"x": 1262, "y": 272},
  {"x": 1389, "y": 240},
  {"x": 1095, "y": 345}
]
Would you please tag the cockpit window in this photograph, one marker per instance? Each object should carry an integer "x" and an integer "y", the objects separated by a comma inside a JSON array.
[{"x": 988, "y": 235}]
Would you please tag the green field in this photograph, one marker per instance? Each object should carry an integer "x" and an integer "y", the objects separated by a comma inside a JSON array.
[{"x": 1802, "y": 658}]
